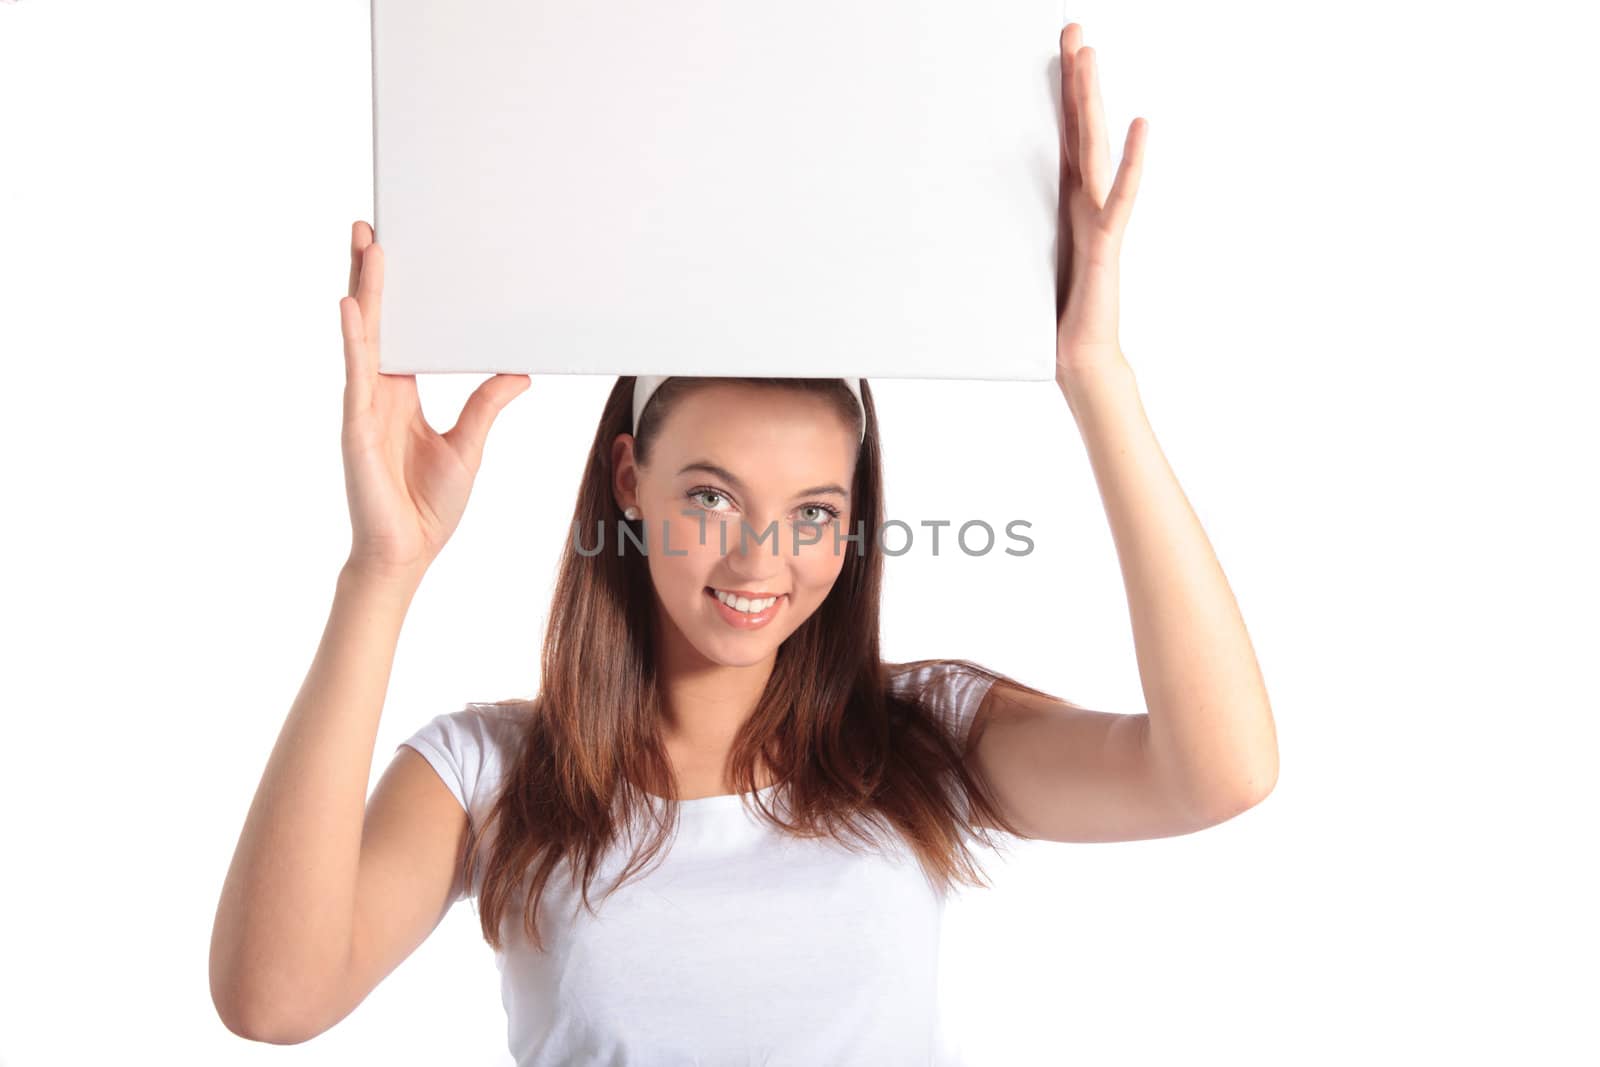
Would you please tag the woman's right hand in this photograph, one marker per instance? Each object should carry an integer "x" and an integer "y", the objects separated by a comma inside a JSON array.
[{"x": 407, "y": 485}]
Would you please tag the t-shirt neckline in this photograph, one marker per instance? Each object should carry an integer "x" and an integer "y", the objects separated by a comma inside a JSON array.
[{"x": 721, "y": 800}]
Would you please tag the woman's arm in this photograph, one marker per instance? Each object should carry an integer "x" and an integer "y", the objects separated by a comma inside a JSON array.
[
  {"x": 1212, "y": 744},
  {"x": 1206, "y": 748},
  {"x": 299, "y": 937},
  {"x": 1211, "y": 736},
  {"x": 282, "y": 933}
]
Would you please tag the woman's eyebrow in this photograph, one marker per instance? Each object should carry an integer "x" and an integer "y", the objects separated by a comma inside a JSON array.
[{"x": 732, "y": 479}]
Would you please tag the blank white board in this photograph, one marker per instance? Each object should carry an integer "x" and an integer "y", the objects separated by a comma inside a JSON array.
[{"x": 835, "y": 188}]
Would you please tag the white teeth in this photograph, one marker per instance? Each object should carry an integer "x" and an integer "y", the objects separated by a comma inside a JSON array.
[{"x": 745, "y": 604}]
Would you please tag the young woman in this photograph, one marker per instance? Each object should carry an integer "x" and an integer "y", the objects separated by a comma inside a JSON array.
[{"x": 722, "y": 832}]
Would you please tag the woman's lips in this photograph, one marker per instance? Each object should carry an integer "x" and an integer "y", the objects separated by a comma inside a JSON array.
[{"x": 744, "y": 620}]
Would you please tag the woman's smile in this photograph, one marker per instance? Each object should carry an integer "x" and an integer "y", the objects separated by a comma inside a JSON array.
[{"x": 729, "y": 605}]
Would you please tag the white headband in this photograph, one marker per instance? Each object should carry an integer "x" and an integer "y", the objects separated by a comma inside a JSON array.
[{"x": 644, "y": 385}]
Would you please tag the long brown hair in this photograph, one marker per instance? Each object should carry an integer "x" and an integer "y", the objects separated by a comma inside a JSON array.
[{"x": 853, "y": 754}]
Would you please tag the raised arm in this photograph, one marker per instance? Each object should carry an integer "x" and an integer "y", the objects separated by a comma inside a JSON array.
[
  {"x": 1207, "y": 748},
  {"x": 304, "y": 925}
]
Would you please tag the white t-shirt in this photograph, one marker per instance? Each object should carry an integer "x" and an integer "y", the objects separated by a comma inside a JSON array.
[{"x": 744, "y": 945}]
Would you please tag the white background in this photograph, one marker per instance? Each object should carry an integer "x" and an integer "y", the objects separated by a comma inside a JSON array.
[{"x": 1358, "y": 293}]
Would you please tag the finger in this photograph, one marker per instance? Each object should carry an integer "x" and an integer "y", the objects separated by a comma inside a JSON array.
[
  {"x": 369, "y": 291},
  {"x": 1070, "y": 39},
  {"x": 358, "y": 361},
  {"x": 478, "y": 414},
  {"x": 358, "y": 241},
  {"x": 1119, "y": 204},
  {"x": 1092, "y": 152}
]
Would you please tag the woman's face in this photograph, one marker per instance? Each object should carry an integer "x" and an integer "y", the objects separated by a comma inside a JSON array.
[{"x": 770, "y": 466}]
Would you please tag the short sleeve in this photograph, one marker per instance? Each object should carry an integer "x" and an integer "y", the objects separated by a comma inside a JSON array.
[
  {"x": 468, "y": 750},
  {"x": 954, "y": 691},
  {"x": 959, "y": 699},
  {"x": 453, "y": 744}
]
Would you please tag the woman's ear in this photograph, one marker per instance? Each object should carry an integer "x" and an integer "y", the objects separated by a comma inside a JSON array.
[{"x": 625, "y": 472}]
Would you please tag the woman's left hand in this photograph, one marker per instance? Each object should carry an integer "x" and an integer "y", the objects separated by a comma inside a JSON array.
[{"x": 1093, "y": 217}]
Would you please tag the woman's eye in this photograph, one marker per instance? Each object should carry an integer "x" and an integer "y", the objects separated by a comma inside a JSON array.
[
  {"x": 811, "y": 514},
  {"x": 701, "y": 494}
]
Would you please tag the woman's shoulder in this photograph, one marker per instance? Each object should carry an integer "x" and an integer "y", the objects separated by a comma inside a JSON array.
[
  {"x": 913, "y": 676},
  {"x": 470, "y": 746},
  {"x": 951, "y": 688},
  {"x": 498, "y": 714},
  {"x": 480, "y": 723}
]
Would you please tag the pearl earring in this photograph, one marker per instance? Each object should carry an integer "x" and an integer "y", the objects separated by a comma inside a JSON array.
[{"x": 631, "y": 512}]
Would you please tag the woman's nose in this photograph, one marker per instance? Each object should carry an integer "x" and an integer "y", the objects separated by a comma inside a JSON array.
[{"x": 749, "y": 543}]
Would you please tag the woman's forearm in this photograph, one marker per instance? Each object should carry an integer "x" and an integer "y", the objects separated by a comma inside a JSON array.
[
  {"x": 283, "y": 923},
  {"x": 1211, "y": 728}
]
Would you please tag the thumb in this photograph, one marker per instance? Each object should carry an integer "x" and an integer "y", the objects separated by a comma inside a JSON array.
[{"x": 478, "y": 414}]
